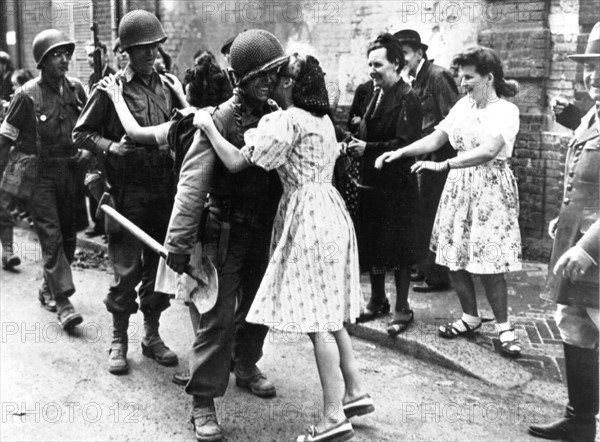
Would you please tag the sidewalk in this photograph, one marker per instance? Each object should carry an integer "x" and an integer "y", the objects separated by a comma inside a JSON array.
[{"x": 540, "y": 366}]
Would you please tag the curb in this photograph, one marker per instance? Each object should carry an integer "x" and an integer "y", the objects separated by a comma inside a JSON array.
[{"x": 421, "y": 341}]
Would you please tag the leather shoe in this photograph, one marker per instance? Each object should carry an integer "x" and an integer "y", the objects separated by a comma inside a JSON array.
[
  {"x": 182, "y": 378},
  {"x": 426, "y": 288},
  {"x": 157, "y": 350},
  {"x": 69, "y": 318},
  {"x": 117, "y": 359},
  {"x": 256, "y": 382},
  {"x": 206, "y": 426},
  {"x": 568, "y": 428},
  {"x": 46, "y": 300},
  {"x": 10, "y": 261}
]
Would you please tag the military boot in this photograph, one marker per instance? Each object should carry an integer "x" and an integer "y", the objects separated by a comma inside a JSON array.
[
  {"x": 9, "y": 260},
  {"x": 152, "y": 345},
  {"x": 67, "y": 316},
  {"x": 579, "y": 422},
  {"x": 117, "y": 354}
]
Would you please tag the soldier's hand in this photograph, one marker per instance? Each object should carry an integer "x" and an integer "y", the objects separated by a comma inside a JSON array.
[
  {"x": 552, "y": 226},
  {"x": 83, "y": 156},
  {"x": 123, "y": 147},
  {"x": 178, "y": 261},
  {"x": 573, "y": 263}
]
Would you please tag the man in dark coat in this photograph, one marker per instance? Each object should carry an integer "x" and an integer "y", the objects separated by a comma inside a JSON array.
[
  {"x": 39, "y": 122},
  {"x": 105, "y": 68},
  {"x": 437, "y": 92},
  {"x": 573, "y": 273}
]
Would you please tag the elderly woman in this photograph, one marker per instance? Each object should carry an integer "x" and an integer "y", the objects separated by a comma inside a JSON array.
[
  {"x": 476, "y": 229},
  {"x": 388, "y": 234}
]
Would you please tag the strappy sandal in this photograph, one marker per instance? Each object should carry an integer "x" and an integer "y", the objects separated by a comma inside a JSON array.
[
  {"x": 511, "y": 347},
  {"x": 449, "y": 330},
  {"x": 397, "y": 326},
  {"x": 374, "y": 311}
]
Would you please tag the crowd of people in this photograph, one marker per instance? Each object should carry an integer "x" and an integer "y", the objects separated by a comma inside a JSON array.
[{"x": 229, "y": 165}]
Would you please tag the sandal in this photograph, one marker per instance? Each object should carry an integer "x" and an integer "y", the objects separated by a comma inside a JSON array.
[
  {"x": 449, "y": 330},
  {"x": 397, "y": 326},
  {"x": 511, "y": 347},
  {"x": 374, "y": 311}
]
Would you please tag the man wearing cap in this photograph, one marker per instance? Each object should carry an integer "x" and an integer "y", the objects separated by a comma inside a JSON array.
[
  {"x": 236, "y": 238},
  {"x": 573, "y": 272},
  {"x": 39, "y": 121},
  {"x": 140, "y": 182},
  {"x": 437, "y": 92}
]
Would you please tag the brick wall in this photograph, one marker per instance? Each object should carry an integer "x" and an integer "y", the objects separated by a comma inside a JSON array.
[{"x": 533, "y": 39}]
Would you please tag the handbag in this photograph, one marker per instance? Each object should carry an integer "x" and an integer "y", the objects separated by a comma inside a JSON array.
[{"x": 20, "y": 174}]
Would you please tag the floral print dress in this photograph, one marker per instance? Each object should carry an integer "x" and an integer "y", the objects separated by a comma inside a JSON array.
[
  {"x": 312, "y": 282},
  {"x": 476, "y": 227}
]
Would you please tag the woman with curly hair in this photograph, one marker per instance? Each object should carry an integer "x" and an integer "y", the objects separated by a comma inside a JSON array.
[{"x": 476, "y": 230}]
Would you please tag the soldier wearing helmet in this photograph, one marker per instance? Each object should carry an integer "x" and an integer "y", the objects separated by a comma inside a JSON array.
[
  {"x": 140, "y": 181},
  {"x": 39, "y": 121},
  {"x": 236, "y": 237}
]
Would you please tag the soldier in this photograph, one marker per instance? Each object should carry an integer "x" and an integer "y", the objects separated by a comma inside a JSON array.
[
  {"x": 236, "y": 238},
  {"x": 40, "y": 119},
  {"x": 141, "y": 183},
  {"x": 437, "y": 92},
  {"x": 573, "y": 272}
]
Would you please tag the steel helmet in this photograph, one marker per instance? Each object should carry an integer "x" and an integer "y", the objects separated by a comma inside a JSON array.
[
  {"x": 47, "y": 40},
  {"x": 255, "y": 51},
  {"x": 140, "y": 28}
]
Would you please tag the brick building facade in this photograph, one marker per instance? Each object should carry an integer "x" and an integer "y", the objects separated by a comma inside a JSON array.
[{"x": 532, "y": 37}]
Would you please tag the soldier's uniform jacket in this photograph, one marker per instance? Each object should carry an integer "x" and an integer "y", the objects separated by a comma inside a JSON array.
[
  {"x": 99, "y": 126},
  {"x": 252, "y": 195},
  {"x": 40, "y": 119},
  {"x": 578, "y": 218}
]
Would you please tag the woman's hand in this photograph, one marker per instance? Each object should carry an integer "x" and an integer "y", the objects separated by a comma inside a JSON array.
[
  {"x": 420, "y": 166},
  {"x": 203, "y": 120},
  {"x": 357, "y": 147},
  {"x": 112, "y": 86},
  {"x": 387, "y": 157}
]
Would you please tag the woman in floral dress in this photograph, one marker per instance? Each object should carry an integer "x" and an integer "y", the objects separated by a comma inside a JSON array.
[
  {"x": 476, "y": 228},
  {"x": 312, "y": 283}
]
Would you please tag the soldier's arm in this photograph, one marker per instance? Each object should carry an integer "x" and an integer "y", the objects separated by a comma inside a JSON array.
[
  {"x": 20, "y": 108},
  {"x": 87, "y": 131},
  {"x": 590, "y": 242},
  {"x": 192, "y": 190}
]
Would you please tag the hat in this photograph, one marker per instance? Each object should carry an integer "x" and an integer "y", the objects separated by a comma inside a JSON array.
[
  {"x": 410, "y": 36},
  {"x": 592, "y": 51}
]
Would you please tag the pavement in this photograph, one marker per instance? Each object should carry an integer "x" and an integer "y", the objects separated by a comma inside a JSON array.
[{"x": 538, "y": 371}]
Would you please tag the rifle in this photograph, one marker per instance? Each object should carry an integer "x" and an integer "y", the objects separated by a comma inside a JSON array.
[
  {"x": 96, "y": 180},
  {"x": 97, "y": 52}
]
